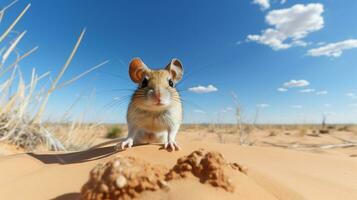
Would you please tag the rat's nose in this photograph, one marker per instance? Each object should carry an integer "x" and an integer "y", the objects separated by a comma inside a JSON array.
[{"x": 157, "y": 96}]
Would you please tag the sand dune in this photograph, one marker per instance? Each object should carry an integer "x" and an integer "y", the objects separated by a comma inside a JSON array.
[{"x": 272, "y": 173}]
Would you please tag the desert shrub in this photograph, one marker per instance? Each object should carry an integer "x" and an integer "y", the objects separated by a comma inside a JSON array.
[
  {"x": 331, "y": 127},
  {"x": 302, "y": 132},
  {"x": 220, "y": 137},
  {"x": 247, "y": 128},
  {"x": 272, "y": 133},
  {"x": 232, "y": 131},
  {"x": 115, "y": 132},
  {"x": 324, "y": 131},
  {"x": 348, "y": 128},
  {"x": 211, "y": 128}
]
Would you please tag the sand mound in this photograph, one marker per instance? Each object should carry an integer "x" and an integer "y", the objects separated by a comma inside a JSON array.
[
  {"x": 127, "y": 177},
  {"x": 209, "y": 167},
  {"x": 123, "y": 178}
]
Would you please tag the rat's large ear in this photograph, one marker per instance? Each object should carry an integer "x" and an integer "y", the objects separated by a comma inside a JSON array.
[
  {"x": 175, "y": 68},
  {"x": 137, "y": 70}
]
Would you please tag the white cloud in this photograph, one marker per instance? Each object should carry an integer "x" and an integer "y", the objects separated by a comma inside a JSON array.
[
  {"x": 322, "y": 92},
  {"x": 296, "y": 106},
  {"x": 264, "y": 4},
  {"x": 199, "y": 111},
  {"x": 329, "y": 113},
  {"x": 282, "y": 89},
  {"x": 333, "y": 49},
  {"x": 296, "y": 83},
  {"x": 290, "y": 26},
  {"x": 263, "y": 105},
  {"x": 299, "y": 43},
  {"x": 352, "y": 95},
  {"x": 309, "y": 90},
  {"x": 203, "y": 89},
  {"x": 227, "y": 109}
]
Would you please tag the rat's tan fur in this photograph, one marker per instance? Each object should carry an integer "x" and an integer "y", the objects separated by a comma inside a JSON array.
[{"x": 149, "y": 122}]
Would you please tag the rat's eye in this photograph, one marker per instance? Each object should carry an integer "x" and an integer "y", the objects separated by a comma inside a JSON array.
[
  {"x": 171, "y": 83},
  {"x": 144, "y": 83}
]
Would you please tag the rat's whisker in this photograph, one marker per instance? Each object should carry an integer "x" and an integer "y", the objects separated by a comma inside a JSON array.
[
  {"x": 117, "y": 90},
  {"x": 116, "y": 100},
  {"x": 114, "y": 75}
]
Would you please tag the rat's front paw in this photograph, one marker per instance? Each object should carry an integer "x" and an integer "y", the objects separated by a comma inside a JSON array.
[
  {"x": 171, "y": 146},
  {"x": 127, "y": 143}
]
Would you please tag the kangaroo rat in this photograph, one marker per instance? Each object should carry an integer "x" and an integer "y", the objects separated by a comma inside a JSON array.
[{"x": 155, "y": 110}]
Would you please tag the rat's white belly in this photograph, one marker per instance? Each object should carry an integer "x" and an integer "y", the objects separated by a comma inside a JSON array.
[
  {"x": 150, "y": 127},
  {"x": 143, "y": 137},
  {"x": 152, "y": 122},
  {"x": 153, "y": 127}
]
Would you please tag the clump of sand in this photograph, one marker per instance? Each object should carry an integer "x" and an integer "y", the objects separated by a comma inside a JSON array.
[
  {"x": 209, "y": 167},
  {"x": 123, "y": 178},
  {"x": 127, "y": 177}
]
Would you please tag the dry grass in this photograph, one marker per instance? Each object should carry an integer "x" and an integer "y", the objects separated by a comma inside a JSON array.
[
  {"x": 22, "y": 109},
  {"x": 78, "y": 136}
]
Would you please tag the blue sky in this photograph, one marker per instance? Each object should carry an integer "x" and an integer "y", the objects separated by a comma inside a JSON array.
[{"x": 252, "y": 48}]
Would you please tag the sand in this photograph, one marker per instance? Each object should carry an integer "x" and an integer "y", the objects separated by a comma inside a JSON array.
[{"x": 265, "y": 172}]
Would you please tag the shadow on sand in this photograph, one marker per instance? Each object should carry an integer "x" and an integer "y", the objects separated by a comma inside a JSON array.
[
  {"x": 75, "y": 157},
  {"x": 68, "y": 196},
  {"x": 91, "y": 154}
]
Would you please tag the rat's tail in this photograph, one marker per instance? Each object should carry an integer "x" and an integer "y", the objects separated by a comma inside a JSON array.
[{"x": 117, "y": 140}]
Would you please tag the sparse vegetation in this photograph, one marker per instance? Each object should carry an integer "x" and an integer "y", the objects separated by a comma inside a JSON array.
[
  {"x": 272, "y": 133},
  {"x": 243, "y": 135},
  {"x": 302, "y": 131},
  {"x": 211, "y": 128},
  {"x": 324, "y": 131},
  {"x": 115, "y": 132}
]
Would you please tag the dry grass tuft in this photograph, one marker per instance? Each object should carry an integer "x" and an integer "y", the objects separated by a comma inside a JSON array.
[
  {"x": 21, "y": 110},
  {"x": 272, "y": 133}
]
